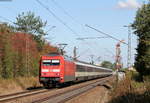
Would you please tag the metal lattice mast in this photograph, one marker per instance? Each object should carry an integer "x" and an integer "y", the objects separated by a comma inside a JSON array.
[{"x": 129, "y": 46}]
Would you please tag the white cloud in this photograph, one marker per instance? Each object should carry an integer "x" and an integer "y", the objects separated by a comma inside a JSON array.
[{"x": 128, "y": 4}]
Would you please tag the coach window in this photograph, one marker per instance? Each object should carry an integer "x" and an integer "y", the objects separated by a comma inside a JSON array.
[
  {"x": 55, "y": 62},
  {"x": 46, "y": 62}
]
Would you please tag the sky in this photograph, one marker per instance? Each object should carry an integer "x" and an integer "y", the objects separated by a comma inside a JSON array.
[{"x": 69, "y": 18}]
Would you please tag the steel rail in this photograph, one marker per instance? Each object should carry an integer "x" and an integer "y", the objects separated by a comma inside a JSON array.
[
  {"x": 69, "y": 94},
  {"x": 8, "y": 97}
]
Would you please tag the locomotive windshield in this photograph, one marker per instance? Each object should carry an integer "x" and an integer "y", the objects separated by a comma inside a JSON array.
[
  {"x": 52, "y": 62},
  {"x": 46, "y": 62},
  {"x": 55, "y": 62}
]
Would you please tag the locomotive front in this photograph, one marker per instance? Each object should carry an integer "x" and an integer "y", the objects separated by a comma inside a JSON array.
[{"x": 51, "y": 70}]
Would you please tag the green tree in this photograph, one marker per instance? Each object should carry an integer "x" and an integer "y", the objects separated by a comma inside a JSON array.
[
  {"x": 141, "y": 27},
  {"x": 23, "y": 71},
  {"x": 18, "y": 65},
  {"x": 7, "y": 59},
  {"x": 107, "y": 64},
  {"x": 35, "y": 67},
  {"x": 31, "y": 24}
]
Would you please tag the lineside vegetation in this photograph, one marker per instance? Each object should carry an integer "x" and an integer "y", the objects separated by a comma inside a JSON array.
[
  {"x": 21, "y": 46},
  {"x": 141, "y": 27}
]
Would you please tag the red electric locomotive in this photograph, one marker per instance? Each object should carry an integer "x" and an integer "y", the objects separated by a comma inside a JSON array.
[{"x": 56, "y": 69}]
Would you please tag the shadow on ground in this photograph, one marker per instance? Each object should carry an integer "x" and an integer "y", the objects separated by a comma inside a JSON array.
[{"x": 34, "y": 88}]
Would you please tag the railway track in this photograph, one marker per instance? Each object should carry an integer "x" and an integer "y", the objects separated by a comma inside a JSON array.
[
  {"x": 69, "y": 94},
  {"x": 5, "y": 98},
  {"x": 60, "y": 95}
]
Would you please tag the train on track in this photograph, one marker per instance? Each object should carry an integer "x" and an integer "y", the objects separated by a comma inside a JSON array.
[{"x": 56, "y": 69}]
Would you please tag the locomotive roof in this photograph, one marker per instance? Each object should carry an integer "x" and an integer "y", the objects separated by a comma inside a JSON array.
[
  {"x": 58, "y": 54},
  {"x": 52, "y": 54}
]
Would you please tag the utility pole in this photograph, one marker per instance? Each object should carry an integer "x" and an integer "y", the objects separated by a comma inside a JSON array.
[
  {"x": 129, "y": 46},
  {"x": 62, "y": 47},
  {"x": 92, "y": 57},
  {"x": 75, "y": 53}
]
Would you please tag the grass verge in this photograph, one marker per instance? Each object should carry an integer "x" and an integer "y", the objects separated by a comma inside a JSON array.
[
  {"x": 17, "y": 84},
  {"x": 131, "y": 90}
]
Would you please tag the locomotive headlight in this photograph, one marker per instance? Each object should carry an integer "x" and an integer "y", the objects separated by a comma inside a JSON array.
[
  {"x": 56, "y": 70},
  {"x": 45, "y": 70}
]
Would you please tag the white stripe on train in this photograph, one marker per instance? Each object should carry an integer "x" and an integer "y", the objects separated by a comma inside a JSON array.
[{"x": 93, "y": 66}]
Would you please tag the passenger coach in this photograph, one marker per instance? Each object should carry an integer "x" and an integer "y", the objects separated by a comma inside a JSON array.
[{"x": 56, "y": 69}]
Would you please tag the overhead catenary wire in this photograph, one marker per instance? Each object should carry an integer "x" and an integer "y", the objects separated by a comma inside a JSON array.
[
  {"x": 114, "y": 38},
  {"x": 56, "y": 17},
  {"x": 62, "y": 9},
  {"x": 90, "y": 38},
  {"x": 109, "y": 51},
  {"x": 71, "y": 17},
  {"x": 6, "y": 19},
  {"x": 96, "y": 43},
  {"x": 66, "y": 12},
  {"x": 105, "y": 34},
  {"x": 82, "y": 53},
  {"x": 59, "y": 19}
]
